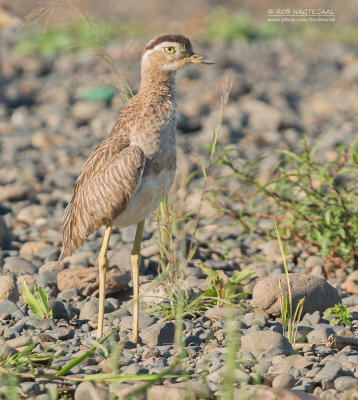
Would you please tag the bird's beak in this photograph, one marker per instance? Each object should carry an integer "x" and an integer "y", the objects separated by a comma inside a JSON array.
[{"x": 198, "y": 59}]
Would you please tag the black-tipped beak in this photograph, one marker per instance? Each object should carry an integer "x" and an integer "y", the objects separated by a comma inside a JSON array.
[{"x": 196, "y": 58}]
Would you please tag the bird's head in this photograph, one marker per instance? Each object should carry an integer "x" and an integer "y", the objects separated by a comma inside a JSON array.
[{"x": 170, "y": 53}]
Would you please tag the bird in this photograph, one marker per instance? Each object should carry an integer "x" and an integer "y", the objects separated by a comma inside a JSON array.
[{"x": 131, "y": 171}]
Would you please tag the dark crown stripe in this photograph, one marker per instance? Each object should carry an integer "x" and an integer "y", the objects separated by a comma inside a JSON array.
[{"x": 184, "y": 41}]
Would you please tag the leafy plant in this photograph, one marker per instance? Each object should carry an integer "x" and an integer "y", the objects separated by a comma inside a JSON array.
[
  {"x": 341, "y": 315},
  {"x": 290, "y": 318},
  {"x": 225, "y": 292},
  {"x": 315, "y": 203},
  {"x": 38, "y": 302}
]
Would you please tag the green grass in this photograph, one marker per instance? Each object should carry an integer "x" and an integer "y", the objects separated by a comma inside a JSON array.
[
  {"x": 73, "y": 37},
  {"x": 315, "y": 203}
]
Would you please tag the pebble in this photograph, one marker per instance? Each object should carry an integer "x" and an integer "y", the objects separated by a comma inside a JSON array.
[
  {"x": 269, "y": 341},
  {"x": 318, "y": 294},
  {"x": 18, "y": 266},
  {"x": 85, "y": 280},
  {"x": 159, "y": 334},
  {"x": 343, "y": 383},
  {"x": 8, "y": 289}
]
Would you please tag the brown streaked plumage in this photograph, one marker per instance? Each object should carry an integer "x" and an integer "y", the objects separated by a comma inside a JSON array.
[{"x": 131, "y": 171}]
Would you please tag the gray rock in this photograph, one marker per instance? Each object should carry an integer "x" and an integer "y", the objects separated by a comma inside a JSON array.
[
  {"x": 8, "y": 289},
  {"x": 310, "y": 319},
  {"x": 145, "y": 320},
  {"x": 284, "y": 381},
  {"x": 68, "y": 295},
  {"x": 134, "y": 369},
  {"x": 343, "y": 383},
  {"x": 30, "y": 387},
  {"x": 88, "y": 390},
  {"x": 31, "y": 213},
  {"x": 61, "y": 310},
  {"x": 350, "y": 300},
  {"x": 47, "y": 278},
  {"x": 20, "y": 341},
  {"x": 6, "y": 351},
  {"x": 320, "y": 335},
  {"x": 314, "y": 261},
  {"x": 192, "y": 340},
  {"x": 5, "y": 237},
  {"x": 269, "y": 341},
  {"x": 90, "y": 309},
  {"x": 61, "y": 333},
  {"x": 8, "y": 307},
  {"x": 19, "y": 266},
  {"x": 318, "y": 294},
  {"x": 329, "y": 372},
  {"x": 159, "y": 334},
  {"x": 253, "y": 318}
]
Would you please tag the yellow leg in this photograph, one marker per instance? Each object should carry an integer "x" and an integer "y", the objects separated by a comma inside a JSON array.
[
  {"x": 103, "y": 265},
  {"x": 135, "y": 260}
]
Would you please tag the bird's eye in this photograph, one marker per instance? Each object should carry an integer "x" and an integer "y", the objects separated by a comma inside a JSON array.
[{"x": 169, "y": 50}]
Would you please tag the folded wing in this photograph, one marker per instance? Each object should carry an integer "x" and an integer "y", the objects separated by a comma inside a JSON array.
[{"x": 108, "y": 180}]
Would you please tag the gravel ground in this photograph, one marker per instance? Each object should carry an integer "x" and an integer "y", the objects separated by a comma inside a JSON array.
[{"x": 46, "y": 133}]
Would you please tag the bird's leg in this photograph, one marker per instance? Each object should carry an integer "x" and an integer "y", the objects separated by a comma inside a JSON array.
[
  {"x": 135, "y": 260},
  {"x": 103, "y": 265}
]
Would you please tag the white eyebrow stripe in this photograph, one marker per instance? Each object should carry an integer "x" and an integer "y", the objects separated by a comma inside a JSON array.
[{"x": 166, "y": 44}]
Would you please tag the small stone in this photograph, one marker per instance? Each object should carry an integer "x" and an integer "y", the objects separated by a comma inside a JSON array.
[
  {"x": 314, "y": 261},
  {"x": 266, "y": 340},
  {"x": 329, "y": 372},
  {"x": 192, "y": 340},
  {"x": 320, "y": 335},
  {"x": 318, "y": 294},
  {"x": 90, "y": 308},
  {"x": 19, "y": 341},
  {"x": 18, "y": 266},
  {"x": 84, "y": 111},
  {"x": 50, "y": 266},
  {"x": 253, "y": 318},
  {"x": 88, "y": 390},
  {"x": 86, "y": 280},
  {"x": 8, "y": 307},
  {"x": 159, "y": 334},
  {"x": 8, "y": 289},
  {"x": 61, "y": 310},
  {"x": 5, "y": 237},
  {"x": 61, "y": 333},
  {"x": 6, "y": 351},
  {"x": 284, "y": 381},
  {"x": 32, "y": 213},
  {"x": 343, "y": 383},
  {"x": 47, "y": 278},
  {"x": 13, "y": 193},
  {"x": 29, "y": 279}
]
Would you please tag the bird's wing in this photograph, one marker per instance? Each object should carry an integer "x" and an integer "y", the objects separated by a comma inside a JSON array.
[{"x": 108, "y": 180}]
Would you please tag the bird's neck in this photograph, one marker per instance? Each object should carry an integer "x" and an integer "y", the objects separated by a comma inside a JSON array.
[{"x": 157, "y": 82}]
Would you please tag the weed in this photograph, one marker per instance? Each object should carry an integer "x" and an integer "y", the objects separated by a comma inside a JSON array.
[
  {"x": 315, "y": 202},
  {"x": 38, "y": 302},
  {"x": 222, "y": 24},
  {"x": 225, "y": 292},
  {"x": 290, "y": 319},
  {"x": 340, "y": 313}
]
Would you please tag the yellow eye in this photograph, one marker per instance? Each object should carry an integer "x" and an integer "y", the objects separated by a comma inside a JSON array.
[{"x": 169, "y": 50}]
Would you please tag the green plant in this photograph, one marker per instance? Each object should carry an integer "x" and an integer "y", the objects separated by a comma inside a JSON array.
[
  {"x": 38, "y": 302},
  {"x": 225, "y": 292},
  {"x": 315, "y": 203},
  {"x": 223, "y": 24},
  {"x": 290, "y": 318},
  {"x": 341, "y": 315}
]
